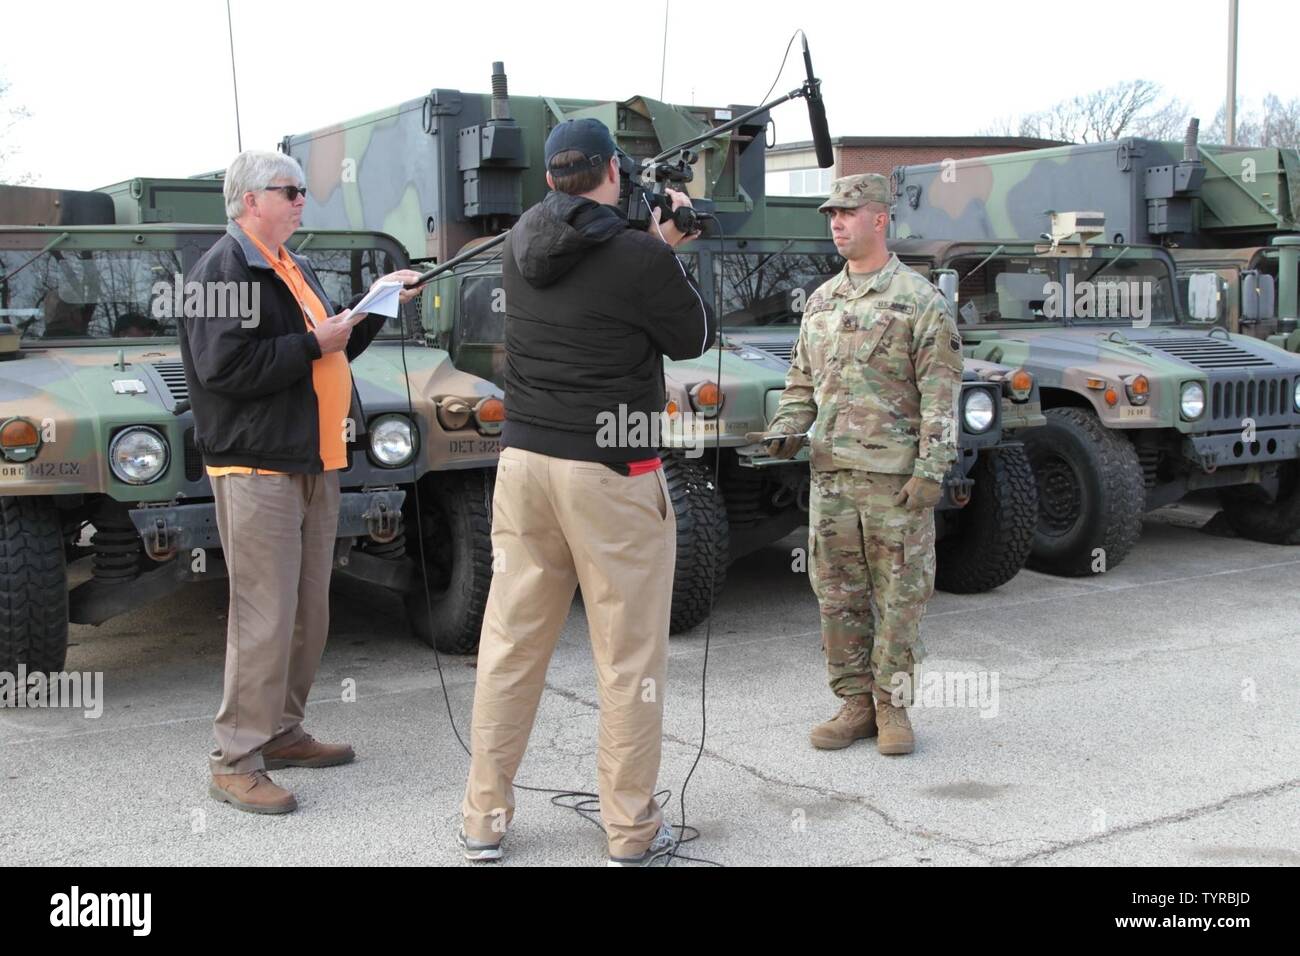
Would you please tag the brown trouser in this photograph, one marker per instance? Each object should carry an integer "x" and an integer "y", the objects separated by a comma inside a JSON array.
[
  {"x": 556, "y": 525},
  {"x": 277, "y": 534}
]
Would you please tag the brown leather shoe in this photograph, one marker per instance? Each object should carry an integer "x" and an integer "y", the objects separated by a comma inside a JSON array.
[
  {"x": 254, "y": 792},
  {"x": 856, "y": 720},
  {"x": 895, "y": 729},
  {"x": 308, "y": 752}
]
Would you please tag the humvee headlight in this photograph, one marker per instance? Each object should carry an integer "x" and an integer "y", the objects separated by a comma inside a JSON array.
[
  {"x": 392, "y": 440},
  {"x": 1192, "y": 400},
  {"x": 489, "y": 415},
  {"x": 454, "y": 413},
  {"x": 19, "y": 440},
  {"x": 977, "y": 410},
  {"x": 1295, "y": 398},
  {"x": 706, "y": 398},
  {"x": 1021, "y": 385},
  {"x": 138, "y": 455},
  {"x": 1138, "y": 389}
]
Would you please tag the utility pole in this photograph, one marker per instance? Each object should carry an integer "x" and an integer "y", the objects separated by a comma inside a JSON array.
[{"x": 1230, "y": 123}]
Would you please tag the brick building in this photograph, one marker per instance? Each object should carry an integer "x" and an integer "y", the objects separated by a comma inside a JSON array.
[{"x": 792, "y": 167}]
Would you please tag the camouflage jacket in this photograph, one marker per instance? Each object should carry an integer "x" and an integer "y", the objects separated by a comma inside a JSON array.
[{"x": 876, "y": 373}]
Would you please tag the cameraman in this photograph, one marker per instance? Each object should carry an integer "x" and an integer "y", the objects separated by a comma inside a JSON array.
[{"x": 592, "y": 307}]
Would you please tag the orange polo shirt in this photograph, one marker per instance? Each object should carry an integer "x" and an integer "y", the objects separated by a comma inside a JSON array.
[{"x": 331, "y": 376}]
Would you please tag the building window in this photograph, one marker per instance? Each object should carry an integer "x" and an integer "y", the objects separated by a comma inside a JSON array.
[{"x": 800, "y": 182}]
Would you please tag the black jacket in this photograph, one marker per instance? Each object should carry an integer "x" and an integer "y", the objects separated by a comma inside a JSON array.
[
  {"x": 250, "y": 382},
  {"x": 592, "y": 307}
]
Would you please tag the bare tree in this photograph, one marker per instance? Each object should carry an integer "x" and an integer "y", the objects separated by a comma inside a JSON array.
[
  {"x": 1130, "y": 108},
  {"x": 1275, "y": 123},
  {"x": 10, "y": 116}
]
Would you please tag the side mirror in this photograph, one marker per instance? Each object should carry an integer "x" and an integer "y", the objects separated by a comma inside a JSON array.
[
  {"x": 946, "y": 280},
  {"x": 1258, "y": 296},
  {"x": 1203, "y": 296}
]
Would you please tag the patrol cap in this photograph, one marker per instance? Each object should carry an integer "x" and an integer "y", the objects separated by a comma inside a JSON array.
[
  {"x": 850, "y": 192},
  {"x": 588, "y": 136}
]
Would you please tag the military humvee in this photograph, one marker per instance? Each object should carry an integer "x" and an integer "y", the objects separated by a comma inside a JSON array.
[
  {"x": 1142, "y": 406},
  {"x": 97, "y": 458}
]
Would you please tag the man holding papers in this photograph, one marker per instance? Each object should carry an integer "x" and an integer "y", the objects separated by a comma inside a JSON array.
[{"x": 272, "y": 397}]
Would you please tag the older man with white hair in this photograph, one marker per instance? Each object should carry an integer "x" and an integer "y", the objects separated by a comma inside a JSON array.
[{"x": 272, "y": 396}]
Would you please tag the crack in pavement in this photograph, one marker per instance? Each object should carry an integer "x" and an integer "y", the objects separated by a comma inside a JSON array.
[
  {"x": 1146, "y": 656},
  {"x": 1166, "y": 820}
]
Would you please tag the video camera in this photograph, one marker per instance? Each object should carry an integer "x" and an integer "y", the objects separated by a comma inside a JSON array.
[{"x": 642, "y": 189}]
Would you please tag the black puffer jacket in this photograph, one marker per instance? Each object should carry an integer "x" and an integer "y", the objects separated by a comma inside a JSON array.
[{"x": 592, "y": 307}]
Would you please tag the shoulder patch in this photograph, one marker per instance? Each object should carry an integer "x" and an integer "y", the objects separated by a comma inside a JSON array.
[{"x": 954, "y": 342}]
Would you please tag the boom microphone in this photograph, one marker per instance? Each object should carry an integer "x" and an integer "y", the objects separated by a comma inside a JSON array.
[{"x": 821, "y": 134}]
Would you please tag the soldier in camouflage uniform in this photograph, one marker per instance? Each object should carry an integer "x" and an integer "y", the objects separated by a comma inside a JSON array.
[{"x": 875, "y": 374}]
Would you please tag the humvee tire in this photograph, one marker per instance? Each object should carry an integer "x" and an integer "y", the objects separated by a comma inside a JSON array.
[
  {"x": 1253, "y": 516},
  {"x": 703, "y": 541},
  {"x": 33, "y": 586},
  {"x": 456, "y": 520},
  {"x": 1091, "y": 494},
  {"x": 995, "y": 530}
]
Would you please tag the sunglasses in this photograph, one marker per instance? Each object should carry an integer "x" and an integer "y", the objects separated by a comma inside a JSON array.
[{"x": 290, "y": 192}]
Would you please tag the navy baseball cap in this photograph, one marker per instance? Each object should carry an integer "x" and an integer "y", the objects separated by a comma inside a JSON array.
[{"x": 588, "y": 136}]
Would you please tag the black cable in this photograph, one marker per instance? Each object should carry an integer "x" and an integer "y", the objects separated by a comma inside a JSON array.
[
  {"x": 788, "y": 47},
  {"x": 713, "y": 571}
]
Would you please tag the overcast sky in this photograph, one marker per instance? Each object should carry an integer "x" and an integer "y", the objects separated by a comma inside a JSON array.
[{"x": 143, "y": 87}]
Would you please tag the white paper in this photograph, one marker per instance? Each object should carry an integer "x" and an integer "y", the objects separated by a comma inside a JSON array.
[{"x": 382, "y": 299}]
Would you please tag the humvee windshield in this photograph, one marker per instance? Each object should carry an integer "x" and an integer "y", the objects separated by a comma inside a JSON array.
[
  {"x": 1101, "y": 290},
  {"x": 90, "y": 295},
  {"x": 770, "y": 288}
]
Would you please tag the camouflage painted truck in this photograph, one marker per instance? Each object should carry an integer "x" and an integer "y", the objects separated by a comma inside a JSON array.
[
  {"x": 99, "y": 475},
  {"x": 1226, "y": 211},
  {"x": 449, "y": 169},
  {"x": 1143, "y": 406}
]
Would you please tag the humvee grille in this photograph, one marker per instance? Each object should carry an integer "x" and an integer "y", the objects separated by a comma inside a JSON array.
[
  {"x": 193, "y": 458},
  {"x": 1208, "y": 353},
  {"x": 782, "y": 350},
  {"x": 1237, "y": 401},
  {"x": 173, "y": 375}
]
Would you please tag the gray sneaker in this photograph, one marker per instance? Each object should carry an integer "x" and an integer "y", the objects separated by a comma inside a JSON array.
[
  {"x": 478, "y": 851},
  {"x": 661, "y": 845}
]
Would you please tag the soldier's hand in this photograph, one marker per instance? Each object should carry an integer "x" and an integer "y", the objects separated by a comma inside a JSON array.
[
  {"x": 919, "y": 493},
  {"x": 783, "y": 448}
]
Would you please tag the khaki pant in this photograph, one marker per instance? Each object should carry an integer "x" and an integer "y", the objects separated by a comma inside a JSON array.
[
  {"x": 277, "y": 534},
  {"x": 557, "y": 525}
]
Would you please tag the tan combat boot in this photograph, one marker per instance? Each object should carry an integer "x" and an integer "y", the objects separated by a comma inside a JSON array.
[
  {"x": 856, "y": 720},
  {"x": 254, "y": 792},
  {"x": 895, "y": 729}
]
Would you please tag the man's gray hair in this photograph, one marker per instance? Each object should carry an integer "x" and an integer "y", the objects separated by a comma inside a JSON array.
[{"x": 255, "y": 169}]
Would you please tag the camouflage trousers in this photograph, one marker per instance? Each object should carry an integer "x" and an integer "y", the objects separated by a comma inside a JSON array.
[{"x": 871, "y": 564}]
